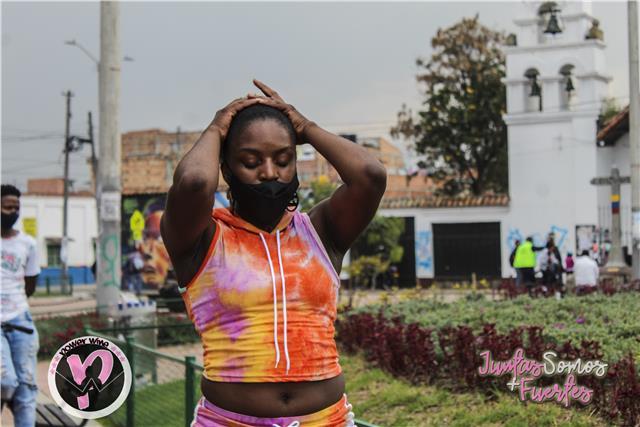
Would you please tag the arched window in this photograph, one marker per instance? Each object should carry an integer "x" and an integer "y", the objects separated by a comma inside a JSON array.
[
  {"x": 533, "y": 91},
  {"x": 567, "y": 87}
]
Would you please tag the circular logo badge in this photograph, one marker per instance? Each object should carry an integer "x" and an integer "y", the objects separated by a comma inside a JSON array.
[{"x": 89, "y": 377}]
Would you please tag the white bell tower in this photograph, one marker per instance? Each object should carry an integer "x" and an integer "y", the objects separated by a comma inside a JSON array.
[{"x": 556, "y": 81}]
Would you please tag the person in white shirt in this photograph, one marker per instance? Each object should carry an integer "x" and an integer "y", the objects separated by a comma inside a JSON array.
[
  {"x": 585, "y": 271},
  {"x": 20, "y": 270}
]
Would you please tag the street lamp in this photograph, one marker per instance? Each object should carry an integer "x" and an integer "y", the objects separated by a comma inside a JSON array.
[
  {"x": 95, "y": 60},
  {"x": 73, "y": 42}
]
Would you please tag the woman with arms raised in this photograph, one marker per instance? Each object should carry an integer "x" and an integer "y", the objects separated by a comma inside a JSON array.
[{"x": 260, "y": 279}]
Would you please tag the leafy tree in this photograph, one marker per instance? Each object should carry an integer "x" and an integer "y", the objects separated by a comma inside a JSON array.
[
  {"x": 460, "y": 131},
  {"x": 382, "y": 237},
  {"x": 376, "y": 249},
  {"x": 364, "y": 270},
  {"x": 610, "y": 109},
  {"x": 321, "y": 188}
]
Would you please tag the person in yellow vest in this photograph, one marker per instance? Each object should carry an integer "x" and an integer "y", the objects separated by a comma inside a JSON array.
[{"x": 525, "y": 263}]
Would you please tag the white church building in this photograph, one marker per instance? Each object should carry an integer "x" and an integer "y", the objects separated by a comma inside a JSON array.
[{"x": 556, "y": 84}]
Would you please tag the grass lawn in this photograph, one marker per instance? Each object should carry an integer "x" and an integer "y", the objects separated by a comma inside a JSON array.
[
  {"x": 379, "y": 398},
  {"x": 159, "y": 405}
]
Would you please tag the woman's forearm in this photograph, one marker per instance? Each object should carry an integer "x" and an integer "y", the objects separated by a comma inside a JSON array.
[
  {"x": 354, "y": 163},
  {"x": 198, "y": 170}
]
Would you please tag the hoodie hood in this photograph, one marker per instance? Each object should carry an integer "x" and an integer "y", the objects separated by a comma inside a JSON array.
[{"x": 225, "y": 215}]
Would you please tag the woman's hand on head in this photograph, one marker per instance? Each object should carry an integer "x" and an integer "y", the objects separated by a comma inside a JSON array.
[
  {"x": 223, "y": 117},
  {"x": 273, "y": 99}
]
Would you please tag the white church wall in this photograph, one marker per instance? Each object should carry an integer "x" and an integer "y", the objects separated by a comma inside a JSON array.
[
  {"x": 517, "y": 95},
  {"x": 550, "y": 167},
  {"x": 553, "y": 154},
  {"x": 528, "y": 33}
]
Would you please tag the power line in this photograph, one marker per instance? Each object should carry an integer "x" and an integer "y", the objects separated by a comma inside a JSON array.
[
  {"x": 29, "y": 167},
  {"x": 30, "y": 130},
  {"x": 13, "y": 140},
  {"x": 79, "y": 161}
]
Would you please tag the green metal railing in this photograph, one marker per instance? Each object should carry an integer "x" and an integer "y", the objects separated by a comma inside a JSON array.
[{"x": 159, "y": 379}]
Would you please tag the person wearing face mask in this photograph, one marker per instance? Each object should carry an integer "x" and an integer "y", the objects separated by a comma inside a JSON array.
[
  {"x": 260, "y": 279},
  {"x": 20, "y": 270}
]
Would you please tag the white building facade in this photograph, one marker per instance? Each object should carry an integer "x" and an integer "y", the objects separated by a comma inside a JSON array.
[
  {"x": 556, "y": 85},
  {"x": 553, "y": 152},
  {"x": 41, "y": 216}
]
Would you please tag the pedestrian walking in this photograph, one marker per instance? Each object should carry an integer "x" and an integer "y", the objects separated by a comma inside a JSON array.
[
  {"x": 20, "y": 270},
  {"x": 133, "y": 271}
]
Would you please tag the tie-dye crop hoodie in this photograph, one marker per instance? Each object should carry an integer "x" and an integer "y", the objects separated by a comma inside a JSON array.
[{"x": 264, "y": 304}]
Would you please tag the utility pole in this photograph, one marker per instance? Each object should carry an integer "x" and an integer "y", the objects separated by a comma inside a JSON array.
[
  {"x": 94, "y": 160},
  {"x": 64, "y": 248},
  {"x": 109, "y": 159},
  {"x": 634, "y": 138}
]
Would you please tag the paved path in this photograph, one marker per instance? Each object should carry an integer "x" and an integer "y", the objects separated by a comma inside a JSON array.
[
  {"x": 444, "y": 295},
  {"x": 82, "y": 300}
]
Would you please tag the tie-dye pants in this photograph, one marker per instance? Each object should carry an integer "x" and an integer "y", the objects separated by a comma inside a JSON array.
[{"x": 339, "y": 414}]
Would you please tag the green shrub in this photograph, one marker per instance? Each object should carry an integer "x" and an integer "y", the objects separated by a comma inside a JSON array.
[
  {"x": 612, "y": 321},
  {"x": 53, "y": 332}
]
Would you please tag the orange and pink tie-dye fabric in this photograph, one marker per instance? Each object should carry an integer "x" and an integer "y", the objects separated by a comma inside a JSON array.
[{"x": 264, "y": 304}]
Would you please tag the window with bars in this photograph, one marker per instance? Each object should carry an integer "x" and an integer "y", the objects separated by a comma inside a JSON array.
[{"x": 53, "y": 253}]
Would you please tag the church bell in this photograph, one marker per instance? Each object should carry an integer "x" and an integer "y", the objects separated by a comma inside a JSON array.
[
  {"x": 535, "y": 88},
  {"x": 553, "y": 27},
  {"x": 569, "y": 87}
]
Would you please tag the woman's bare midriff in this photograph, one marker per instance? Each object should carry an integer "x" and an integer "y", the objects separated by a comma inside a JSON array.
[{"x": 270, "y": 400}]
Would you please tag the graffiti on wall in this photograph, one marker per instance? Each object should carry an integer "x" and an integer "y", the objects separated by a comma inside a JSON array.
[
  {"x": 141, "y": 233},
  {"x": 109, "y": 251},
  {"x": 539, "y": 239},
  {"x": 424, "y": 253},
  {"x": 513, "y": 236}
]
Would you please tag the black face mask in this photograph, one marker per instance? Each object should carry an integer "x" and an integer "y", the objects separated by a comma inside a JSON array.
[
  {"x": 8, "y": 220},
  {"x": 263, "y": 204}
]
